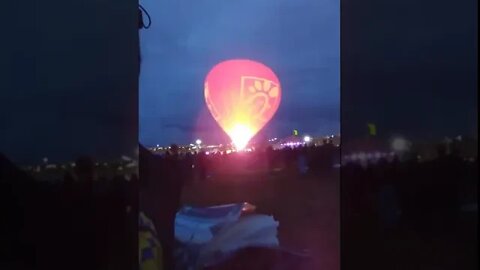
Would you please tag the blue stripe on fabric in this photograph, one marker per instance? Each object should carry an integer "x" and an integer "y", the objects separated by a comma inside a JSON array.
[
  {"x": 147, "y": 254},
  {"x": 211, "y": 212}
]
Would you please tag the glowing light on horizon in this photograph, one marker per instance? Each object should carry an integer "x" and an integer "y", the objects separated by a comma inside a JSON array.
[
  {"x": 400, "y": 144},
  {"x": 240, "y": 135},
  {"x": 242, "y": 96}
]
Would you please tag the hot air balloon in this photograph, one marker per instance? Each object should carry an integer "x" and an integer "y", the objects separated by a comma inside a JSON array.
[{"x": 242, "y": 96}]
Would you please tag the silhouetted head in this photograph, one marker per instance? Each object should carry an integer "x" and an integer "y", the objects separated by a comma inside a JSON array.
[
  {"x": 118, "y": 179},
  {"x": 134, "y": 177},
  {"x": 441, "y": 150},
  {"x": 68, "y": 178},
  {"x": 382, "y": 162},
  {"x": 174, "y": 150},
  {"x": 85, "y": 169}
]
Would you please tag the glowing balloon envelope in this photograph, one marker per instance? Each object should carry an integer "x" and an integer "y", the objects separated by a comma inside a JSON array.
[{"x": 242, "y": 96}]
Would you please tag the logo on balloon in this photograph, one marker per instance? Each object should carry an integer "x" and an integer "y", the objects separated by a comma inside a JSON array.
[{"x": 242, "y": 96}]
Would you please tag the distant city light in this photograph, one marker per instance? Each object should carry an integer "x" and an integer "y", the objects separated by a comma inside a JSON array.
[
  {"x": 241, "y": 135},
  {"x": 51, "y": 166},
  {"x": 399, "y": 144}
]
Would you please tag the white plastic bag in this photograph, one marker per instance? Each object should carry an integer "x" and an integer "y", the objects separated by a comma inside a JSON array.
[{"x": 249, "y": 231}]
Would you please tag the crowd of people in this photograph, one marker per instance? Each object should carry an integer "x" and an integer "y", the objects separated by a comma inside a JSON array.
[
  {"x": 410, "y": 207},
  {"x": 83, "y": 221},
  {"x": 202, "y": 165},
  {"x": 91, "y": 222},
  {"x": 90, "y": 219}
]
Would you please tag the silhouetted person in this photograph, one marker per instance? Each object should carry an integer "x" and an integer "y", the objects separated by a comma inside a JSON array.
[
  {"x": 19, "y": 207},
  {"x": 441, "y": 150},
  {"x": 174, "y": 151},
  {"x": 201, "y": 166},
  {"x": 160, "y": 192},
  {"x": 68, "y": 179},
  {"x": 188, "y": 163},
  {"x": 67, "y": 193},
  {"x": 302, "y": 161},
  {"x": 85, "y": 173},
  {"x": 269, "y": 154},
  {"x": 87, "y": 216}
]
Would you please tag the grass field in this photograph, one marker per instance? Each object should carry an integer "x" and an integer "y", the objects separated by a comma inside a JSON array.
[{"x": 307, "y": 208}]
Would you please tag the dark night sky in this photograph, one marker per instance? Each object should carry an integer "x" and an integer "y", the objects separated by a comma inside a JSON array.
[
  {"x": 299, "y": 40},
  {"x": 68, "y": 69},
  {"x": 410, "y": 67},
  {"x": 68, "y": 79}
]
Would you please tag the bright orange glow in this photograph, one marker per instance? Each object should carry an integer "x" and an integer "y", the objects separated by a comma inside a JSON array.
[
  {"x": 242, "y": 96},
  {"x": 240, "y": 135}
]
